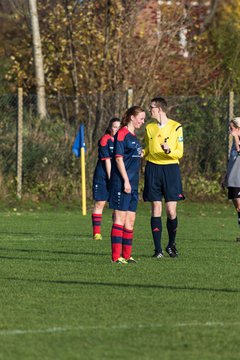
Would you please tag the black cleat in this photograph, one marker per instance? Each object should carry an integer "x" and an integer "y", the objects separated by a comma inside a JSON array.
[
  {"x": 172, "y": 251},
  {"x": 158, "y": 254}
]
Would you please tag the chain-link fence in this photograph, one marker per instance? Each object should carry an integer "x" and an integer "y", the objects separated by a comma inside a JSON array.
[{"x": 51, "y": 171}]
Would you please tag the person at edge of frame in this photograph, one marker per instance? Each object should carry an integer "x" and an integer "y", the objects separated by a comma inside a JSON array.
[
  {"x": 162, "y": 178},
  {"x": 100, "y": 187},
  {"x": 232, "y": 176},
  {"x": 123, "y": 197}
]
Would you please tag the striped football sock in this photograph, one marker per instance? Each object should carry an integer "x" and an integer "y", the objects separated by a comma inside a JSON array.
[
  {"x": 127, "y": 243},
  {"x": 116, "y": 241},
  {"x": 96, "y": 223}
]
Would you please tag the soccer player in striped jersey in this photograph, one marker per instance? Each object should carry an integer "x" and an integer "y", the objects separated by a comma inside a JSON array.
[
  {"x": 164, "y": 148},
  {"x": 124, "y": 184},
  {"x": 100, "y": 187}
]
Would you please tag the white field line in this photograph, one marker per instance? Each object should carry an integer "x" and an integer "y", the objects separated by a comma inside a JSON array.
[{"x": 117, "y": 327}]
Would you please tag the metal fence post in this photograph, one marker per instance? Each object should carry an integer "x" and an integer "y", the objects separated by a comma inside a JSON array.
[
  {"x": 129, "y": 98},
  {"x": 230, "y": 117},
  {"x": 19, "y": 142}
]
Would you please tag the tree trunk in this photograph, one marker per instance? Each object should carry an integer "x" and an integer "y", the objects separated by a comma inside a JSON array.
[
  {"x": 73, "y": 66},
  {"x": 38, "y": 59}
]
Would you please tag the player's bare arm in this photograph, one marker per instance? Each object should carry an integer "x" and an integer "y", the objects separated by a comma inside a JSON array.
[{"x": 122, "y": 170}]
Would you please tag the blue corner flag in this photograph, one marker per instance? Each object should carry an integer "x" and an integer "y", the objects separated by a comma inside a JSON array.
[{"x": 79, "y": 142}]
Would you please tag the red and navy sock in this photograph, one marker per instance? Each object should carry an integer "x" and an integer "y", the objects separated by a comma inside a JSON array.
[
  {"x": 127, "y": 243},
  {"x": 116, "y": 241},
  {"x": 96, "y": 223},
  {"x": 156, "y": 226},
  {"x": 172, "y": 230}
]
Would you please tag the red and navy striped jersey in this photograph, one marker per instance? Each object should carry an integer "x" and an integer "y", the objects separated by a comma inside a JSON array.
[
  {"x": 126, "y": 145},
  {"x": 105, "y": 147},
  {"x": 105, "y": 151}
]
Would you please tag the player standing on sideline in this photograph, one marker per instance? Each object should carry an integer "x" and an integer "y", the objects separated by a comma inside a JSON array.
[
  {"x": 164, "y": 148},
  {"x": 232, "y": 177},
  {"x": 101, "y": 175},
  {"x": 124, "y": 184}
]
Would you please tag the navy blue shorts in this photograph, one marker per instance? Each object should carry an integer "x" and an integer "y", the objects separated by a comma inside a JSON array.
[
  {"x": 119, "y": 200},
  {"x": 100, "y": 192},
  {"x": 100, "y": 186},
  {"x": 162, "y": 181},
  {"x": 233, "y": 193}
]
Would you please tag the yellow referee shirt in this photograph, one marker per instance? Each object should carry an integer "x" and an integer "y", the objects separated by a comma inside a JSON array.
[{"x": 155, "y": 135}]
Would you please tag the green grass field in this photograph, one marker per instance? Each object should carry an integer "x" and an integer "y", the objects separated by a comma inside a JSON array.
[{"x": 61, "y": 298}]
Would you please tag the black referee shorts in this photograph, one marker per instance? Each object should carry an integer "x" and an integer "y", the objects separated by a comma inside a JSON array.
[
  {"x": 233, "y": 193},
  {"x": 162, "y": 181}
]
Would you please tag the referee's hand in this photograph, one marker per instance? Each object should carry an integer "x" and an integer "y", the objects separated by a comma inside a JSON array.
[{"x": 166, "y": 148}]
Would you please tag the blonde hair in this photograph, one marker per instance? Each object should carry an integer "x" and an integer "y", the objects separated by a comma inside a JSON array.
[{"x": 236, "y": 122}]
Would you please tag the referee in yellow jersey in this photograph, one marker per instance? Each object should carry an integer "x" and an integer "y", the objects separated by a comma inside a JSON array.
[{"x": 163, "y": 149}]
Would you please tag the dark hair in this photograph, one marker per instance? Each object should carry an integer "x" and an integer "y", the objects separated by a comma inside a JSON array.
[
  {"x": 160, "y": 102},
  {"x": 109, "y": 128},
  {"x": 132, "y": 111}
]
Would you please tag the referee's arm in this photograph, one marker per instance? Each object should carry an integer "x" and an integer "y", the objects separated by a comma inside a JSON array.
[{"x": 177, "y": 152}]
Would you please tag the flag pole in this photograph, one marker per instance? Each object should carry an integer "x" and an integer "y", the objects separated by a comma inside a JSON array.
[
  {"x": 79, "y": 149},
  {"x": 83, "y": 165},
  {"x": 84, "y": 207}
]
